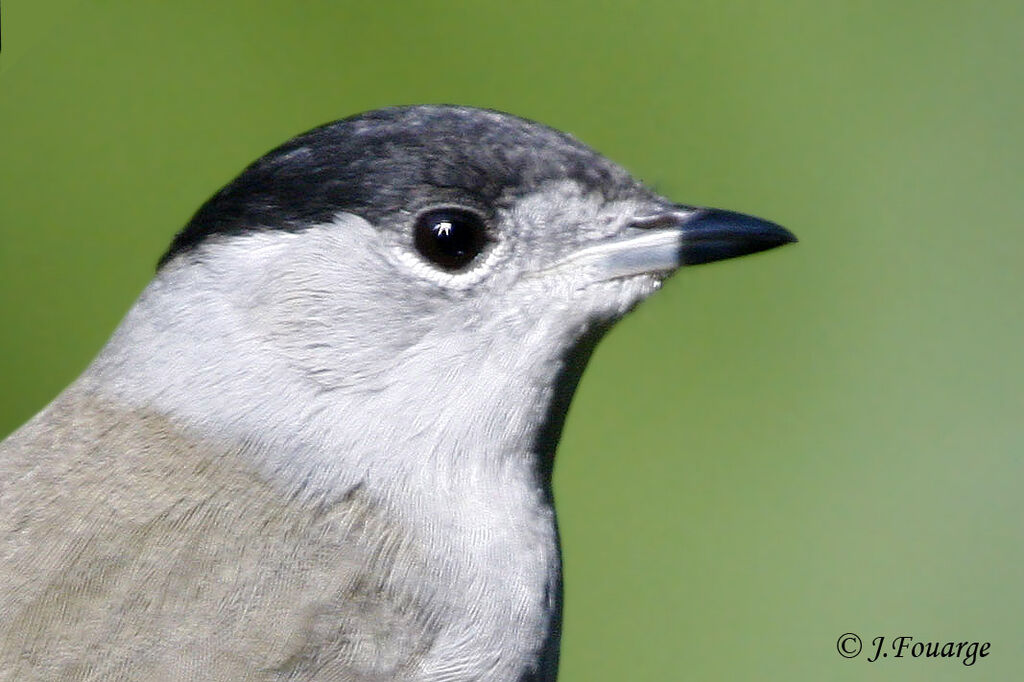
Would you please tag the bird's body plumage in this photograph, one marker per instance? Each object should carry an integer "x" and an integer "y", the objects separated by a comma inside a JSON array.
[
  {"x": 111, "y": 590},
  {"x": 177, "y": 544}
]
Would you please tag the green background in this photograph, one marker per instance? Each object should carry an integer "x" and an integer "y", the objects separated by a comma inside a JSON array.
[{"x": 771, "y": 452}]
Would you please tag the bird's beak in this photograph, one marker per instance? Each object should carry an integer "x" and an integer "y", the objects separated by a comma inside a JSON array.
[
  {"x": 680, "y": 236},
  {"x": 710, "y": 234}
]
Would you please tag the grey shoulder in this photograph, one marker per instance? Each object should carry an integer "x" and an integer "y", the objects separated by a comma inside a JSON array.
[{"x": 117, "y": 539}]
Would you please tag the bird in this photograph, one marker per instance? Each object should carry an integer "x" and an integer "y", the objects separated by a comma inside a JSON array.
[{"x": 319, "y": 445}]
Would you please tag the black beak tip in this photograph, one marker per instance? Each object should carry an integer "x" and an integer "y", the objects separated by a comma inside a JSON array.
[{"x": 715, "y": 234}]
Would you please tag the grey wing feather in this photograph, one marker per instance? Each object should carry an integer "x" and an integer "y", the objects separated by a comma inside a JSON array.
[{"x": 130, "y": 551}]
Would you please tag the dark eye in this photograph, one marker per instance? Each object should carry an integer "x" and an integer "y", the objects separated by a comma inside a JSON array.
[{"x": 450, "y": 237}]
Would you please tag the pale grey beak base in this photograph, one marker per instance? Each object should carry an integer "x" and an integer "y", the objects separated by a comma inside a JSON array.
[{"x": 656, "y": 250}]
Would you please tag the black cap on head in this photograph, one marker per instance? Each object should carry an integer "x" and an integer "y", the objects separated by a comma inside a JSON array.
[{"x": 372, "y": 163}]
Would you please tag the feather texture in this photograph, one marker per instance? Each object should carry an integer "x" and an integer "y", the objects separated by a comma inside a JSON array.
[{"x": 132, "y": 551}]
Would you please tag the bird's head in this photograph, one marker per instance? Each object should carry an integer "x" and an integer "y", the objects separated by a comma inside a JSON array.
[{"x": 437, "y": 234}]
